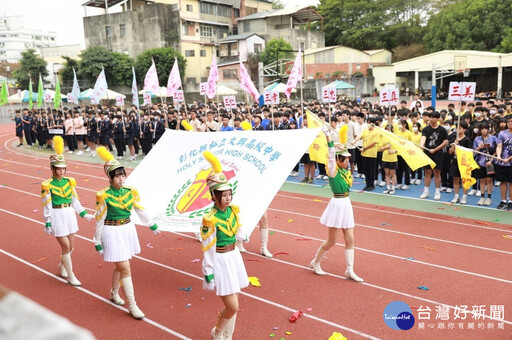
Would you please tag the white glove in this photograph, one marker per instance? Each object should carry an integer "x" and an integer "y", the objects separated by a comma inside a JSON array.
[
  {"x": 156, "y": 232},
  {"x": 100, "y": 252},
  {"x": 48, "y": 230},
  {"x": 209, "y": 285},
  {"x": 326, "y": 131},
  {"x": 89, "y": 217}
]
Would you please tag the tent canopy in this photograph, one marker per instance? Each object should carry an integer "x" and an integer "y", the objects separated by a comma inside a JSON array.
[
  {"x": 34, "y": 95},
  {"x": 340, "y": 85},
  {"x": 279, "y": 87},
  {"x": 110, "y": 95},
  {"x": 225, "y": 91},
  {"x": 162, "y": 92}
]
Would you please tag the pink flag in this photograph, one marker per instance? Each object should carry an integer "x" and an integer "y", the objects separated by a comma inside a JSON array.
[
  {"x": 151, "y": 80},
  {"x": 246, "y": 83},
  {"x": 295, "y": 75},
  {"x": 212, "y": 78},
  {"x": 174, "y": 81}
]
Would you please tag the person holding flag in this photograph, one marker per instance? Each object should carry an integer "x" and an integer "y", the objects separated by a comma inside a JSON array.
[
  {"x": 60, "y": 202},
  {"x": 463, "y": 141},
  {"x": 115, "y": 236},
  {"x": 223, "y": 266},
  {"x": 339, "y": 213}
]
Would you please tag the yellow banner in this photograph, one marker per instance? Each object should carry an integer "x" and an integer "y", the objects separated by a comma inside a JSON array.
[
  {"x": 410, "y": 152},
  {"x": 318, "y": 150},
  {"x": 466, "y": 164}
]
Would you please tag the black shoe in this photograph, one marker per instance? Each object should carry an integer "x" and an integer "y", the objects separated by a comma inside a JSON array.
[
  {"x": 19, "y": 145},
  {"x": 502, "y": 205},
  {"x": 371, "y": 188},
  {"x": 509, "y": 206},
  {"x": 365, "y": 188}
]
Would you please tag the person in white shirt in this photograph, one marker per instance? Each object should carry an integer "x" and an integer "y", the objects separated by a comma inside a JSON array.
[{"x": 417, "y": 103}]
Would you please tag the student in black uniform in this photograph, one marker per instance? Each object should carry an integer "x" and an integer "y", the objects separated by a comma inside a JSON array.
[
  {"x": 19, "y": 127},
  {"x": 119, "y": 135}
]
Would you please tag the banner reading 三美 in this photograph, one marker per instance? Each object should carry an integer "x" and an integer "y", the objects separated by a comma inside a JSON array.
[{"x": 171, "y": 179}]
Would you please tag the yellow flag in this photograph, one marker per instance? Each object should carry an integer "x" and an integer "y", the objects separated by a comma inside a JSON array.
[
  {"x": 466, "y": 164},
  {"x": 410, "y": 152},
  {"x": 318, "y": 150}
]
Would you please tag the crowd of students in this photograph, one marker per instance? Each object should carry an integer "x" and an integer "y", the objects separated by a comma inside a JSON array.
[{"x": 475, "y": 125}]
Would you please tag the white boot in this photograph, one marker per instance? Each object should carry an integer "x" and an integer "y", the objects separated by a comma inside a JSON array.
[
  {"x": 240, "y": 246},
  {"x": 114, "y": 292},
  {"x": 217, "y": 332},
  {"x": 349, "y": 258},
  {"x": 66, "y": 262},
  {"x": 130, "y": 296},
  {"x": 315, "y": 264},
  {"x": 264, "y": 241},
  {"x": 230, "y": 328},
  {"x": 63, "y": 272}
]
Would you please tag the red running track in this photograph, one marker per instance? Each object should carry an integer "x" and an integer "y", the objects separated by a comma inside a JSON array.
[{"x": 460, "y": 261}]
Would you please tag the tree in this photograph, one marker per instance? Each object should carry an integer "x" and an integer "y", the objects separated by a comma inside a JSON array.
[
  {"x": 277, "y": 4},
  {"x": 408, "y": 51},
  {"x": 31, "y": 65},
  {"x": 471, "y": 25},
  {"x": 117, "y": 66},
  {"x": 66, "y": 73},
  {"x": 270, "y": 54},
  {"x": 164, "y": 60},
  {"x": 371, "y": 24}
]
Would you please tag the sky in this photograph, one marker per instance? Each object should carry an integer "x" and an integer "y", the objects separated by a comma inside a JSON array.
[{"x": 64, "y": 17}]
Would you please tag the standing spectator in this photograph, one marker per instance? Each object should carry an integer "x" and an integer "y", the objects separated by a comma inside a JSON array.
[
  {"x": 369, "y": 153},
  {"x": 80, "y": 131},
  {"x": 70, "y": 133},
  {"x": 18, "y": 122},
  {"x": 434, "y": 138},
  {"x": 403, "y": 171},
  {"x": 487, "y": 144},
  {"x": 27, "y": 126},
  {"x": 464, "y": 141},
  {"x": 504, "y": 165}
]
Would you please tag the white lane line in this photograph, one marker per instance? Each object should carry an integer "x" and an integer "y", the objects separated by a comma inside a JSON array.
[
  {"x": 404, "y": 233},
  {"x": 342, "y": 245},
  {"x": 94, "y": 295},
  {"x": 401, "y": 214},
  {"x": 283, "y": 262},
  {"x": 327, "y": 322}
]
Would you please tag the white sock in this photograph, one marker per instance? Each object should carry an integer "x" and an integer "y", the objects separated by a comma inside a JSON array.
[
  {"x": 438, "y": 190},
  {"x": 425, "y": 190}
]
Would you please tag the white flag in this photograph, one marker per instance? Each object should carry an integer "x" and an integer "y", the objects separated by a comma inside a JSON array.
[
  {"x": 100, "y": 88},
  {"x": 295, "y": 75},
  {"x": 151, "y": 80},
  {"x": 179, "y": 200},
  {"x": 135, "y": 93},
  {"x": 75, "y": 92},
  {"x": 174, "y": 81}
]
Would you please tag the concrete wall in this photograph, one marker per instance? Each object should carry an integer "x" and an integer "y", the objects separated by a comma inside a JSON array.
[
  {"x": 385, "y": 75},
  {"x": 151, "y": 26}
]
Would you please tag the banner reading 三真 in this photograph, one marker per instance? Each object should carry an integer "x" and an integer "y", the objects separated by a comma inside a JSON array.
[{"x": 171, "y": 179}]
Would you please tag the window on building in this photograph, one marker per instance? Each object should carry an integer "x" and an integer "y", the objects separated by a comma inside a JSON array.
[
  {"x": 224, "y": 11},
  {"x": 358, "y": 66},
  {"x": 122, "y": 29},
  {"x": 204, "y": 79},
  {"x": 190, "y": 8},
  {"x": 191, "y": 80},
  {"x": 247, "y": 26},
  {"x": 206, "y": 31},
  {"x": 202, "y": 53},
  {"x": 236, "y": 12},
  {"x": 250, "y": 10},
  {"x": 223, "y": 31},
  {"x": 184, "y": 28},
  {"x": 230, "y": 74},
  {"x": 190, "y": 53},
  {"x": 207, "y": 8},
  {"x": 108, "y": 31},
  {"x": 258, "y": 48},
  {"x": 235, "y": 29}
]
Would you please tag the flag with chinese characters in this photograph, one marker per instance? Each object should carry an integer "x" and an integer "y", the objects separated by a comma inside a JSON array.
[
  {"x": 57, "y": 99},
  {"x": 135, "y": 93},
  {"x": 174, "y": 81},
  {"x": 246, "y": 83},
  {"x": 4, "y": 94},
  {"x": 295, "y": 75},
  {"x": 40, "y": 92},
  {"x": 213, "y": 77},
  {"x": 100, "y": 88},
  {"x": 151, "y": 80},
  {"x": 318, "y": 150},
  {"x": 75, "y": 92},
  {"x": 30, "y": 102},
  {"x": 466, "y": 164},
  {"x": 412, "y": 154}
]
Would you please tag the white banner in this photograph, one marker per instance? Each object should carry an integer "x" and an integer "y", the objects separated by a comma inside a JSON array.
[
  {"x": 329, "y": 94},
  {"x": 119, "y": 101},
  {"x": 48, "y": 98},
  {"x": 147, "y": 98},
  {"x": 389, "y": 96},
  {"x": 229, "y": 102},
  {"x": 178, "y": 96},
  {"x": 256, "y": 163},
  {"x": 271, "y": 97},
  {"x": 203, "y": 87},
  {"x": 462, "y": 91},
  {"x": 70, "y": 97}
]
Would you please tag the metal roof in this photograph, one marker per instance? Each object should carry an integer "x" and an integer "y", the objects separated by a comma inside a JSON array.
[
  {"x": 233, "y": 38},
  {"x": 105, "y": 3},
  {"x": 300, "y": 13},
  {"x": 214, "y": 23}
]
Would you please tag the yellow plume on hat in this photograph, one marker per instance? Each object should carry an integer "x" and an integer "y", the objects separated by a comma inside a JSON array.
[
  {"x": 343, "y": 134},
  {"x": 58, "y": 145},
  {"x": 186, "y": 125},
  {"x": 246, "y": 125},
  {"x": 104, "y": 153},
  {"x": 214, "y": 161}
]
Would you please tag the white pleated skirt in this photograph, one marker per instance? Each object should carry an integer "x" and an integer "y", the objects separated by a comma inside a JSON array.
[
  {"x": 64, "y": 222},
  {"x": 338, "y": 214},
  {"x": 229, "y": 273},
  {"x": 120, "y": 242}
]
